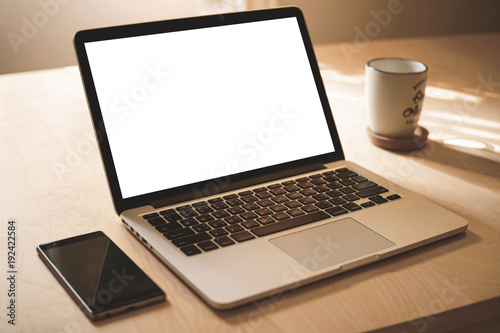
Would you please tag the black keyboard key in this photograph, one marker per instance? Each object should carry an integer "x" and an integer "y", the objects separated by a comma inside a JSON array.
[
  {"x": 207, "y": 246},
  {"x": 347, "y": 190},
  {"x": 351, "y": 197},
  {"x": 250, "y": 224},
  {"x": 200, "y": 204},
  {"x": 371, "y": 191},
  {"x": 309, "y": 208},
  {"x": 150, "y": 216},
  {"x": 234, "y": 202},
  {"x": 180, "y": 242},
  {"x": 156, "y": 221},
  {"x": 263, "y": 195},
  {"x": 351, "y": 206},
  {"x": 218, "y": 232},
  {"x": 245, "y": 193},
  {"x": 347, "y": 174},
  {"x": 318, "y": 181},
  {"x": 347, "y": 182},
  {"x": 249, "y": 198},
  {"x": 265, "y": 220},
  {"x": 307, "y": 201},
  {"x": 364, "y": 185},
  {"x": 316, "y": 175},
  {"x": 334, "y": 194},
  {"x": 201, "y": 227},
  {"x": 188, "y": 213},
  {"x": 265, "y": 203},
  {"x": 185, "y": 207},
  {"x": 214, "y": 200},
  {"x": 323, "y": 204},
  {"x": 292, "y": 188},
  {"x": 331, "y": 179},
  {"x": 293, "y": 204},
  {"x": 320, "y": 197},
  {"x": 224, "y": 241},
  {"x": 236, "y": 210},
  {"x": 295, "y": 212},
  {"x": 205, "y": 218},
  {"x": 277, "y": 191},
  {"x": 378, "y": 199},
  {"x": 279, "y": 199},
  {"x": 168, "y": 227},
  {"x": 233, "y": 219},
  {"x": 289, "y": 223},
  {"x": 264, "y": 211},
  {"x": 367, "y": 204},
  {"x": 217, "y": 224},
  {"x": 204, "y": 210},
  {"x": 242, "y": 236},
  {"x": 334, "y": 185},
  {"x": 167, "y": 211},
  {"x": 394, "y": 197},
  {"x": 234, "y": 228},
  {"x": 178, "y": 233},
  {"x": 337, "y": 201},
  {"x": 220, "y": 214},
  {"x": 359, "y": 179},
  {"x": 219, "y": 205},
  {"x": 341, "y": 170},
  {"x": 251, "y": 206},
  {"x": 249, "y": 216},
  {"x": 190, "y": 250},
  {"x": 336, "y": 211},
  {"x": 321, "y": 188},
  {"x": 278, "y": 208},
  {"x": 294, "y": 195},
  {"x": 230, "y": 196},
  {"x": 281, "y": 216},
  {"x": 308, "y": 192},
  {"x": 188, "y": 222},
  {"x": 305, "y": 185},
  {"x": 173, "y": 217}
]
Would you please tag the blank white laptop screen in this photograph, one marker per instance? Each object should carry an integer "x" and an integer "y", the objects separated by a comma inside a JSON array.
[{"x": 188, "y": 106}]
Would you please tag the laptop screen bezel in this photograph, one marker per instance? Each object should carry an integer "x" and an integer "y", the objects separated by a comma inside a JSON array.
[{"x": 150, "y": 28}]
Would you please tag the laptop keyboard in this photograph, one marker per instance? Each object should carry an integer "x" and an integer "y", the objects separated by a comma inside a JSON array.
[{"x": 230, "y": 219}]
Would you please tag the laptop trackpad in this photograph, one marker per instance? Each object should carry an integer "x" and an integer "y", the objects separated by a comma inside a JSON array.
[{"x": 331, "y": 244}]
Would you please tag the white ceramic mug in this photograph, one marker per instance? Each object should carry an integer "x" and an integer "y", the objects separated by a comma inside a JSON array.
[{"x": 394, "y": 90}]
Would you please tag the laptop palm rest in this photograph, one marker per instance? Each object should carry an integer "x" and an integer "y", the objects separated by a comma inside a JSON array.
[{"x": 331, "y": 244}]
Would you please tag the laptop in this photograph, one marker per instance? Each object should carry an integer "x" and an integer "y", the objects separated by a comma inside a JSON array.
[{"x": 223, "y": 159}]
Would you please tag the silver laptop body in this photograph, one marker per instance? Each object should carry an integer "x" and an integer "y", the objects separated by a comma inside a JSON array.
[{"x": 222, "y": 156}]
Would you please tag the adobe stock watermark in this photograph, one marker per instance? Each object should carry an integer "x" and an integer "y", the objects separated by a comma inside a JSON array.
[
  {"x": 116, "y": 285},
  {"x": 248, "y": 150},
  {"x": 448, "y": 295},
  {"x": 373, "y": 28},
  {"x": 456, "y": 117},
  {"x": 31, "y": 26},
  {"x": 324, "y": 248},
  {"x": 121, "y": 108}
]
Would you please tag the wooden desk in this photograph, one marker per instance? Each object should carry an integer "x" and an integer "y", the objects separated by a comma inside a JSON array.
[{"x": 53, "y": 185}]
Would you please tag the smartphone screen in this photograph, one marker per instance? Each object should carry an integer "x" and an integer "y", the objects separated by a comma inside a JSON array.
[{"x": 99, "y": 276}]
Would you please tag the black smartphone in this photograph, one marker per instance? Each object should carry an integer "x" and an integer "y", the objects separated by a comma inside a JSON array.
[{"x": 99, "y": 276}]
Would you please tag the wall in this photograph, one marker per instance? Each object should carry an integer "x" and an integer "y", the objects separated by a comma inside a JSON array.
[
  {"x": 37, "y": 34},
  {"x": 342, "y": 20}
]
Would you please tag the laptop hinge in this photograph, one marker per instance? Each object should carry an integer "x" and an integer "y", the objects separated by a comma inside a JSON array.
[{"x": 209, "y": 190}]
